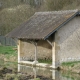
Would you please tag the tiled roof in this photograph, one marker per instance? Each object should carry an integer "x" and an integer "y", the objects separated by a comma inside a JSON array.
[{"x": 42, "y": 24}]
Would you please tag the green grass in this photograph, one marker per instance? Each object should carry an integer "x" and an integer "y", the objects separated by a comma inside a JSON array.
[
  {"x": 45, "y": 61},
  {"x": 8, "y": 53},
  {"x": 70, "y": 63},
  {"x": 7, "y": 50}
]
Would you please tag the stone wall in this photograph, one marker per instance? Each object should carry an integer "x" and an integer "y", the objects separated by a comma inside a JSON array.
[
  {"x": 68, "y": 41},
  {"x": 27, "y": 50}
]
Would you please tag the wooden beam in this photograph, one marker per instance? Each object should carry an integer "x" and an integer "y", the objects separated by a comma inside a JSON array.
[
  {"x": 19, "y": 51},
  {"x": 49, "y": 42}
]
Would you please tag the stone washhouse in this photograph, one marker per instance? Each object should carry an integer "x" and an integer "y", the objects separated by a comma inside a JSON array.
[{"x": 51, "y": 35}]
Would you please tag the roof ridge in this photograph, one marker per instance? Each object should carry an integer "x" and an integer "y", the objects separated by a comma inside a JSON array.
[{"x": 55, "y": 12}]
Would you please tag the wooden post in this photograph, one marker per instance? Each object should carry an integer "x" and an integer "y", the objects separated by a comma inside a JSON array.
[
  {"x": 35, "y": 52},
  {"x": 35, "y": 57},
  {"x": 18, "y": 51},
  {"x": 55, "y": 56}
]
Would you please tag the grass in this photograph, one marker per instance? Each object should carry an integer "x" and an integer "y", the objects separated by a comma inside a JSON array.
[
  {"x": 45, "y": 61},
  {"x": 6, "y": 50},
  {"x": 70, "y": 63},
  {"x": 48, "y": 61},
  {"x": 8, "y": 53}
]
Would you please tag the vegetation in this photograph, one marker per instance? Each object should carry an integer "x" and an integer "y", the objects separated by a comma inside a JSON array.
[
  {"x": 62, "y": 4},
  {"x": 7, "y": 50},
  {"x": 73, "y": 67},
  {"x": 45, "y": 61},
  {"x": 70, "y": 63},
  {"x": 8, "y": 53},
  {"x": 13, "y": 17}
]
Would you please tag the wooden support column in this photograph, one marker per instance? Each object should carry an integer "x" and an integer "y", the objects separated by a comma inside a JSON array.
[
  {"x": 35, "y": 51},
  {"x": 55, "y": 56},
  {"x": 18, "y": 51},
  {"x": 35, "y": 57}
]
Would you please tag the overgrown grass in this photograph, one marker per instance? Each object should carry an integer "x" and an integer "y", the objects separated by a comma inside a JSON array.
[
  {"x": 8, "y": 53},
  {"x": 70, "y": 63},
  {"x": 45, "y": 61},
  {"x": 7, "y": 50}
]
